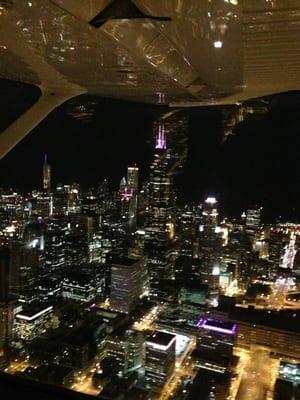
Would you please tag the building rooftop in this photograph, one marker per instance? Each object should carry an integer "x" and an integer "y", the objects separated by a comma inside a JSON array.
[
  {"x": 211, "y": 356},
  {"x": 48, "y": 282},
  {"x": 78, "y": 278},
  {"x": 287, "y": 320},
  {"x": 289, "y": 372},
  {"x": 161, "y": 340},
  {"x": 30, "y": 313},
  {"x": 125, "y": 261},
  {"x": 219, "y": 326}
]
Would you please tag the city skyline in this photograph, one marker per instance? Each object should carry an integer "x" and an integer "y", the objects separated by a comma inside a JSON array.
[
  {"x": 111, "y": 284},
  {"x": 258, "y": 164},
  {"x": 149, "y": 199}
]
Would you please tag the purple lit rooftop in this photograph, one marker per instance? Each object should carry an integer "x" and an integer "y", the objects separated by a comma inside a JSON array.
[{"x": 214, "y": 325}]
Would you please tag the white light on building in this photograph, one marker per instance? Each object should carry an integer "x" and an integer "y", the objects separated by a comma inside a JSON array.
[{"x": 218, "y": 44}]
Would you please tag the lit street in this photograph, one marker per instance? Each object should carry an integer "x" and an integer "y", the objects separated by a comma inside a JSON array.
[
  {"x": 17, "y": 366},
  {"x": 259, "y": 376},
  {"x": 244, "y": 356},
  {"x": 85, "y": 385},
  {"x": 146, "y": 322}
]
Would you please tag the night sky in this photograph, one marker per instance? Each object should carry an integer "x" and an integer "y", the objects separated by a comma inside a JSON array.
[{"x": 258, "y": 165}]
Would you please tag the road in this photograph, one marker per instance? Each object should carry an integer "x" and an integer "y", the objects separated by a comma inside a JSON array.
[
  {"x": 244, "y": 356},
  {"x": 17, "y": 366},
  {"x": 258, "y": 377},
  {"x": 146, "y": 322},
  {"x": 85, "y": 385}
]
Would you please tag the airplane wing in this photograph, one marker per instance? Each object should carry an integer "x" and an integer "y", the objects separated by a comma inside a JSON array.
[{"x": 180, "y": 53}]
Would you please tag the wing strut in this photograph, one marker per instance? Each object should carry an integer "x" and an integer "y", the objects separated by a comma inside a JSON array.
[{"x": 19, "y": 129}]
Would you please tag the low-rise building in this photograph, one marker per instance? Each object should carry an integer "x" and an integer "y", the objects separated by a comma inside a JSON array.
[{"x": 33, "y": 321}]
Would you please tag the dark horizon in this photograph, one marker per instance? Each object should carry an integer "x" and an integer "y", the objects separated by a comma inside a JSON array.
[{"x": 258, "y": 165}]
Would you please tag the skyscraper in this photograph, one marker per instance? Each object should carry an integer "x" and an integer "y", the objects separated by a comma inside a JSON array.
[
  {"x": 46, "y": 175},
  {"x": 210, "y": 213},
  {"x": 170, "y": 131},
  {"x": 277, "y": 242},
  {"x": 6, "y": 306},
  {"x": 170, "y": 151},
  {"x": 43, "y": 205},
  {"x": 6, "y": 326},
  {"x": 210, "y": 243},
  {"x": 253, "y": 218},
  {"x": 4, "y": 271},
  {"x": 160, "y": 358},
  {"x": 133, "y": 184},
  {"x": 127, "y": 284},
  {"x": 157, "y": 243},
  {"x": 160, "y": 140},
  {"x": 127, "y": 348},
  {"x": 290, "y": 251},
  {"x": 76, "y": 248},
  {"x": 133, "y": 178},
  {"x": 25, "y": 261},
  {"x": 55, "y": 243}
]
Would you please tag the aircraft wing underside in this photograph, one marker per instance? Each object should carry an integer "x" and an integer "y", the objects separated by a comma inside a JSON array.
[{"x": 176, "y": 52}]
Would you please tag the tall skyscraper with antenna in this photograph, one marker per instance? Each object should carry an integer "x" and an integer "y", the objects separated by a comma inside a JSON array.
[
  {"x": 170, "y": 151},
  {"x": 133, "y": 183},
  {"x": 46, "y": 175},
  {"x": 160, "y": 140},
  {"x": 157, "y": 244}
]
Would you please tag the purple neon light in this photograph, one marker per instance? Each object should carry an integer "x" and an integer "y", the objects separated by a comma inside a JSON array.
[
  {"x": 203, "y": 323},
  {"x": 126, "y": 195},
  {"x": 161, "y": 138}
]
